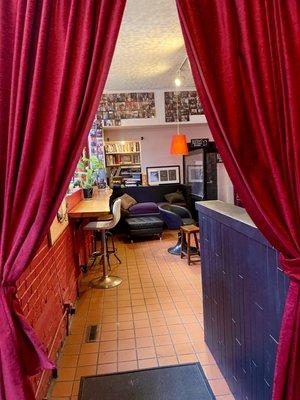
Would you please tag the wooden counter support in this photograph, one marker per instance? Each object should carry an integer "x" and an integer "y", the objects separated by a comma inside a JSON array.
[{"x": 86, "y": 209}]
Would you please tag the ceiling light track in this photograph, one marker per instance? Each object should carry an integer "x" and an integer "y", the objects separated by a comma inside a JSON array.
[
  {"x": 178, "y": 78},
  {"x": 182, "y": 64}
]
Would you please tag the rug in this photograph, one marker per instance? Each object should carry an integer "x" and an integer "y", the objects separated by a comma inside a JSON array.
[{"x": 177, "y": 382}]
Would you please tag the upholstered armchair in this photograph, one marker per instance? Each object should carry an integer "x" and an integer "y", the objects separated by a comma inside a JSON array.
[{"x": 174, "y": 217}]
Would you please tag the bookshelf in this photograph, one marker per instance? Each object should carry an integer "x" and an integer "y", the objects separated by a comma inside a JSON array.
[{"x": 123, "y": 162}]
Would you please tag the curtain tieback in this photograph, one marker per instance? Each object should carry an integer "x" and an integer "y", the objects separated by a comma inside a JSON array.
[{"x": 291, "y": 267}]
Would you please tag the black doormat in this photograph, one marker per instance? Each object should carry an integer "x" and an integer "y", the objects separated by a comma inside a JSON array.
[{"x": 178, "y": 382}]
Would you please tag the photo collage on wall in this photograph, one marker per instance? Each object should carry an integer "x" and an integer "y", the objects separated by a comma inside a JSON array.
[
  {"x": 188, "y": 104},
  {"x": 117, "y": 106},
  {"x": 96, "y": 140},
  {"x": 96, "y": 148}
]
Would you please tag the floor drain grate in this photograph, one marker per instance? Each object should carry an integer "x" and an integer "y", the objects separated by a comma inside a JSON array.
[{"x": 92, "y": 332}]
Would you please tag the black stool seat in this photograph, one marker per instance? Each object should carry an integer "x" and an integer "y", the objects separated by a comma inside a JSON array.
[{"x": 144, "y": 226}]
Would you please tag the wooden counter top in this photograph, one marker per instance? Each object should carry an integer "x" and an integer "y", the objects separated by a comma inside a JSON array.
[{"x": 95, "y": 207}]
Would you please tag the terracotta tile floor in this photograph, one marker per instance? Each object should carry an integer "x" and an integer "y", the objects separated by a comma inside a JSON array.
[{"x": 153, "y": 318}]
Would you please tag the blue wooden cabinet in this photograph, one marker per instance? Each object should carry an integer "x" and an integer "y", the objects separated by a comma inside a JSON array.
[{"x": 244, "y": 292}]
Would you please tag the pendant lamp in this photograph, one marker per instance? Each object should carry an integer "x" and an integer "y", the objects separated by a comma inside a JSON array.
[{"x": 179, "y": 144}]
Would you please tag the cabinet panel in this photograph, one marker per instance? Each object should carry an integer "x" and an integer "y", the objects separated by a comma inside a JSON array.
[{"x": 244, "y": 292}]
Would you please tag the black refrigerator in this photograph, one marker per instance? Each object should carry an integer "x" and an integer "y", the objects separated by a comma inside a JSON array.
[{"x": 200, "y": 173}]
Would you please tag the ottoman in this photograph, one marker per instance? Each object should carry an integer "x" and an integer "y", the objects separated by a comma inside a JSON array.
[{"x": 144, "y": 226}]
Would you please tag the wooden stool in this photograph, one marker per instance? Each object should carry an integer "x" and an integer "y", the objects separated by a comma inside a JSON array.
[{"x": 189, "y": 230}]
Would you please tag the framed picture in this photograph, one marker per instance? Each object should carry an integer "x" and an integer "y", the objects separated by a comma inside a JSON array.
[
  {"x": 195, "y": 173},
  {"x": 163, "y": 175},
  {"x": 59, "y": 224}
]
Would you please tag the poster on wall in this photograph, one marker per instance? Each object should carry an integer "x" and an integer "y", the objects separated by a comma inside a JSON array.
[
  {"x": 117, "y": 106},
  {"x": 187, "y": 102},
  {"x": 195, "y": 173}
]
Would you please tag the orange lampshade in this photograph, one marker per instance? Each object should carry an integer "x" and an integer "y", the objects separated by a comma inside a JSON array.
[{"x": 179, "y": 145}]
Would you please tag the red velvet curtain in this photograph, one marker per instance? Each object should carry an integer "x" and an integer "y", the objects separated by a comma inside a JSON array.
[
  {"x": 54, "y": 60},
  {"x": 245, "y": 58}
]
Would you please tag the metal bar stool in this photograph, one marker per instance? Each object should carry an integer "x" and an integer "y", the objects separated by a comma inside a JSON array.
[
  {"x": 106, "y": 281},
  {"x": 110, "y": 248}
]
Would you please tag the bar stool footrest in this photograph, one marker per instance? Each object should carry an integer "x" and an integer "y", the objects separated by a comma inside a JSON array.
[
  {"x": 105, "y": 282},
  {"x": 97, "y": 254}
]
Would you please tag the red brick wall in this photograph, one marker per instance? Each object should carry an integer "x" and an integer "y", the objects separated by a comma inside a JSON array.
[{"x": 50, "y": 281}]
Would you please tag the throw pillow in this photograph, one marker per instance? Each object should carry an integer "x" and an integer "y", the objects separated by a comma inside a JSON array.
[
  {"x": 127, "y": 201},
  {"x": 176, "y": 197}
]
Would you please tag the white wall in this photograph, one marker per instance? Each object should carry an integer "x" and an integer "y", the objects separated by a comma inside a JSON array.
[
  {"x": 155, "y": 147},
  {"x": 157, "y": 134},
  {"x": 225, "y": 187},
  {"x": 159, "y": 96}
]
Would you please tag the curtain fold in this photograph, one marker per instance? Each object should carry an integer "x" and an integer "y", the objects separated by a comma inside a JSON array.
[
  {"x": 54, "y": 60},
  {"x": 245, "y": 59}
]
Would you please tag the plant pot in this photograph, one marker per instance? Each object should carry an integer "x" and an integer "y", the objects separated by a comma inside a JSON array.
[{"x": 88, "y": 193}]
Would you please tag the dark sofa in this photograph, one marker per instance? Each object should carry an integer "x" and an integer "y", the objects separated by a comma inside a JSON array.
[
  {"x": 153, "y": 194},
  {"x": 144, "y": 218}
]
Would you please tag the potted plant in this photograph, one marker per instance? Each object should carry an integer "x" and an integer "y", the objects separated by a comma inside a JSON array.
[{"x": 87, "y": 171}]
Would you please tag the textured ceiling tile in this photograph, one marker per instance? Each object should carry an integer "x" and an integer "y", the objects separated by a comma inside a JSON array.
[{"x": 150, "y": 48}]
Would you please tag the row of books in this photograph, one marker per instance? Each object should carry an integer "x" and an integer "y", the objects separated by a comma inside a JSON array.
[
  {"x": 131, "y": 182},
  {"x": 115, "y": 171},
  {"x": 122, "y": 147},
  {"x": 115, "y": 159}
]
